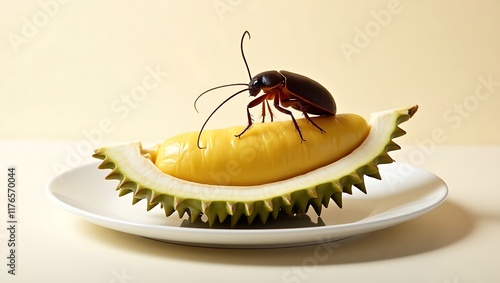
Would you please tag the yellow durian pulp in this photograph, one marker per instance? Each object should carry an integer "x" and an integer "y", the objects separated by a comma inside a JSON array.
[{"x": 266, "y": 153}]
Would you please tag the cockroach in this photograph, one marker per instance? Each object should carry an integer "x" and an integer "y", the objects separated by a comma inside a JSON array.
[{"x": 286, "y": 89}]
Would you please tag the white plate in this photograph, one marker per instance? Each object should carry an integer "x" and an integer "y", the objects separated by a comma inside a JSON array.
[{"x": 404, "y": 193}]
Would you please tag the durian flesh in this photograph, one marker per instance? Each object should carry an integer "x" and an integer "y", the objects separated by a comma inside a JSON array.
[
  {"x": 267, "y": 153},
  {"x": 134, "y": 167}
]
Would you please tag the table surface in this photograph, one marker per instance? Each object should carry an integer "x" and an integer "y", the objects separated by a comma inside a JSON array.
[{"x": 456, "y": 242}]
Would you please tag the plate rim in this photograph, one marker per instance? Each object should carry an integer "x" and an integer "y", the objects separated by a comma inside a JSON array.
[{"x": 377, "y": 224}]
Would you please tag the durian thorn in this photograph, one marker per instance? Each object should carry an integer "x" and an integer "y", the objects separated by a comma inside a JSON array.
[
  {"x": 275, "y": 213},
  {"x": 248, "y": 208},
  {"x": 337, "y": 198},
  {"x": 302, "y": 203},
  {"x": 375, "y": 175},
  {"x": 286, "y": 199},
  {"x": 277, "y": 204},
  {"x": 150, "y": 206},
  {"x": 152, "y": 196},
  {"x": 317, "y": 207},
  {"x": 337, "y": 187},
  {"x": 222, "y": 216},
  {"x": 288, "y": 209},
  {"x": 211, "y": 217},
  {"x": 412, "y": 110},
  {"x": 114, "y": 175},
  {"x": 177, "y": 202},
  {"x": 355, "y": 178},
  {"x": 326, "y": 199},
  {"x": 391, "y": 146},
  {"x": 193, "y": 214},
  {"x": 398, "y": 132},
  {"x": 347, "y": 189},
  {"x": 268, "y": 205},
  {"x": 98, "y": 155},
  {"x": 139, "y": 192},
  {"x": 344, "y": 187},
  {"x": 384, "y": 158},
  {"x": 107, "y": 164},
  {"x": 312, "y": 192},
  {"x": 369, "y": 168},
  {"x": 230, "y": 207},
  {"x": 251, "y": 218},
  {"x": 205, "y": 205},
  {"x": 168, "y": 209},
  {"x": 127, "y": 184},
  {"x": 180, "y": 211},
  {"x": 361, "y": 186},
  {"x": 348, "y": 180},
  {"x": 236, "y": 217},
  {"x": 156, "y": 198},
  {"x": 264, "y": 215},
  {"x": 123, "y": 192}
]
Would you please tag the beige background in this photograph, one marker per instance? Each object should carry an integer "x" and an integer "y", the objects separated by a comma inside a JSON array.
[
  {"x": 71, "y": 76},
  {"x": 81, "y": 70}
]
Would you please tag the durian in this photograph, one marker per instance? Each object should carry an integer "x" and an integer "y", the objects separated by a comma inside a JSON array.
[{"x": 283, "y": 175}]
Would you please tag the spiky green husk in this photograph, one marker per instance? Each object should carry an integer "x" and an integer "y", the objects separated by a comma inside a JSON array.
[{"x": 137, "y": 174}]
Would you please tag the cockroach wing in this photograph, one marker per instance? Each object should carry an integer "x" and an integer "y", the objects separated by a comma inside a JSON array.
[{"x": 319, "y": 100}]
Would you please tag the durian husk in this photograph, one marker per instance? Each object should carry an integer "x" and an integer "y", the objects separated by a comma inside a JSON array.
[{"x": 132, "y": 166}]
